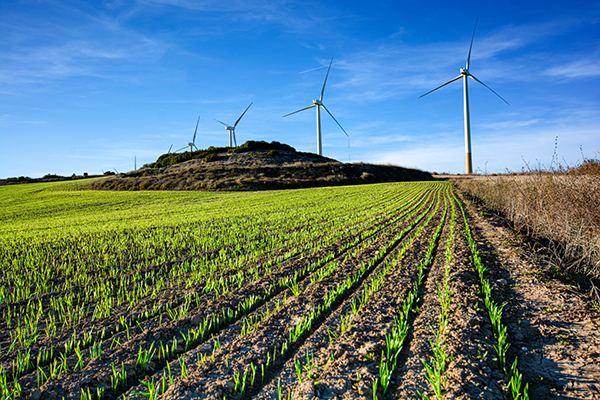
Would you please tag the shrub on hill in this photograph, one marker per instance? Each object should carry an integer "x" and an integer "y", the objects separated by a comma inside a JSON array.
[
  {"x": 252, "y": 145},
  {"x": 211, "y": 157},
  {"x": 210, "y": 154},
  {"x": 176, "y": 158}
]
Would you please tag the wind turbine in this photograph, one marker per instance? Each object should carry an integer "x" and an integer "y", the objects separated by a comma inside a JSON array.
[
  {"x": 465, "y": 74},
  {"x": 193, "y": 142},
  {"x": 318, "y": 104},
  {"x": 231, "y": 129}
]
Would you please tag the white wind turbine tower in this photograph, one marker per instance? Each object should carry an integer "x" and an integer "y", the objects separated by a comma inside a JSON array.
[
  {"x": 193, "y": 142},
  {"x": 318, "y": 104},
  {"x": 231, "y": 129},
  {"x": 465, "y": 74}
]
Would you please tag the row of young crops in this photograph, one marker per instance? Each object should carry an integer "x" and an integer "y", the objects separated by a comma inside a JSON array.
[{"x": 267, "y": 295}]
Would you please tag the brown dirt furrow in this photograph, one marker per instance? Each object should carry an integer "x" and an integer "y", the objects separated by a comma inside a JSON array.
[
  {"x": 354, "y": 353},
  {"x": 214, "y": 379},
  {"x": 164, "y": 330},
  {"x": 410, "y": 372},
  {"x": 466, "y": 334},
  {"x": 554, "y": 328},
  {"x": 473, "y": 372},
  {"x": 157, "y": 328},
  {"x": 553, "y": 323},
  {"x": 174, "y": 297}
]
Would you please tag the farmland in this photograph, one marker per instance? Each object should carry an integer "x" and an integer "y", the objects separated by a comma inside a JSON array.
[{"x": 396, "y": 290}]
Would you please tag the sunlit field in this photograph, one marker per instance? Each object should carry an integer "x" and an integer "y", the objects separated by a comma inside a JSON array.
[{"x": 239, "y": 295}]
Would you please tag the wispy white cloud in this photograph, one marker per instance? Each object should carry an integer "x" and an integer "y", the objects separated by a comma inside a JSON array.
[
  {"x": 307, "y": 16},
  {"x": 584, "y": 68},
  {"x": 397, "y": 70},
  {"x": 218, "y": 5},
  {"x": 165, "y": 61},
  {"x": 503, "y": 125},
  {"x": 7, "y": 120},
  {"x": 95, "y": 47}
]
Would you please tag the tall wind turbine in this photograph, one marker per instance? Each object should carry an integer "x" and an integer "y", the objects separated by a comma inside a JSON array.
[
  {"x": 465, "y": 74},
  {"x": 231, "y": 129},
  {"x": 318, "y": 104},
  {"x": 193, "y": 142}
]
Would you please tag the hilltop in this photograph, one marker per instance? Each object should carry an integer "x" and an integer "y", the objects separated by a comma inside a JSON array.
[{"x": 252, "y": 166}]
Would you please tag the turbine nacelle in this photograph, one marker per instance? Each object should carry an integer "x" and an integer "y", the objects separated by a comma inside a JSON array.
[
  {"x": 191, "y": 144},
  {"x": 318, "y": 104},
  {"x": 464, "y": 72},
  {"x": 231, "y": 129}
]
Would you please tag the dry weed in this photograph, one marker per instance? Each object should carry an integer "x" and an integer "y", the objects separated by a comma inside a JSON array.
[{"x": 561, "y": 206}]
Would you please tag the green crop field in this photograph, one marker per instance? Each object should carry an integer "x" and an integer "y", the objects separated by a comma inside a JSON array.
[{"x": 107, "y": 295}]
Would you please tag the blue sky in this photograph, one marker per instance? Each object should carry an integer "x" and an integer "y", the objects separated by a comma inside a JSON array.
[{"x": 87, "y": 86}]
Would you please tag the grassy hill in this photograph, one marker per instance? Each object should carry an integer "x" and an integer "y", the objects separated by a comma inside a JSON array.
[{"x": 252, "y": 166}]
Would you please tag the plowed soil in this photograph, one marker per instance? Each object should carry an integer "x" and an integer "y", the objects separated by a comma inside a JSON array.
[{"x": 248, "y": 352}]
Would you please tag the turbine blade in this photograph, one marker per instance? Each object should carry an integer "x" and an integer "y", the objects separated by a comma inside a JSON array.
[
  {"x": 195, "y": 146},
  {"x": 170, "y": 149},
  {"x": 221, "y": 122},
  {"x": 305, "y": 108},
  {"x": 183, "y": 148},
  {"x": 323, "y": 90},
  {"x": 336, "y": 121},
  {"x": 488, "y": 88},
  {"x": 194, "y": 139},
  {"x": 234, "y": 139},
  {"x": 441, "y": 86},
  {"x": 470, "y": 47},
  {"x": 238, "y": 120}
]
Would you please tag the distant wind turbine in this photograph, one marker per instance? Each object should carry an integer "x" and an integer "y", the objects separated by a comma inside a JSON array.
[
  {"x": 193, "y": 142},
  {"x": 169, "y": 151},
  {"x": 318, "y": 104},
  {"x": 465, "y": 74},
  {"x": 231, "y": 129}
]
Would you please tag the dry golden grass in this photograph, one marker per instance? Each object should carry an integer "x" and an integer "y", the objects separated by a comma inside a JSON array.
[{"x": 560, "y": 206}]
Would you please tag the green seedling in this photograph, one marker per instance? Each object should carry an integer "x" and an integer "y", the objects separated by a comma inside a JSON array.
[{"x": 298, "y": 368}]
